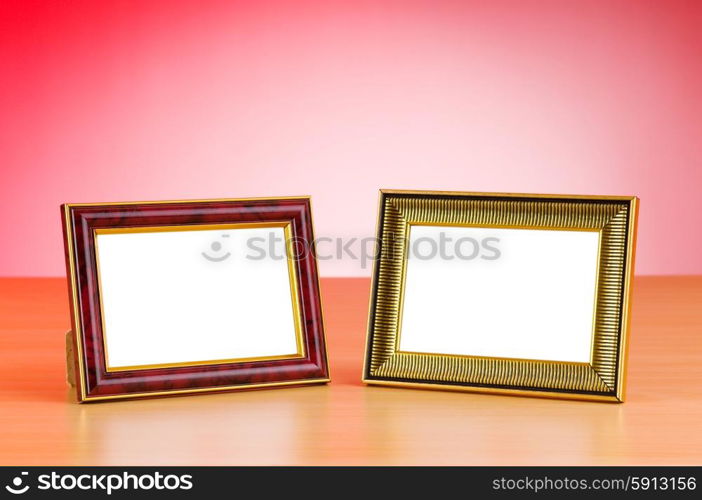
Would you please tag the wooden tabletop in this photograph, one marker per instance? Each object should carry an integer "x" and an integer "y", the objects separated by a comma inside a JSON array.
[{"x": 346, "y": 422}]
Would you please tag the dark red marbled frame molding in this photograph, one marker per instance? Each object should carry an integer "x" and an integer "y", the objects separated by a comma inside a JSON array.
[{"x": 94, "y": 383}]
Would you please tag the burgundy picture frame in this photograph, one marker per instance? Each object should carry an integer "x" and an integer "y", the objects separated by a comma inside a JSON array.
[{"x": 94, "y": 383}]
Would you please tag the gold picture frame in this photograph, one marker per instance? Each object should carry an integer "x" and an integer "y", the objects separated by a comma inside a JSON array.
[{"x": 601, "y": 377}]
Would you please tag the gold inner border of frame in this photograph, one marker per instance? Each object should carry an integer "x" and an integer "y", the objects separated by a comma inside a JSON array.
[
  {"x": 292, "y": 276},
  {"x": 598, "y": 380},
  {"x": 408, "y": 230}
]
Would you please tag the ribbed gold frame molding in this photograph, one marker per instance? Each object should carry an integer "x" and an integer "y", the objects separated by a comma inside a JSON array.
[{"x": 600, "y": 379}]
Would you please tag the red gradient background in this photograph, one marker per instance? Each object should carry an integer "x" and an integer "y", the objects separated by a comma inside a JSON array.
[{"x": 127, "y": 100}]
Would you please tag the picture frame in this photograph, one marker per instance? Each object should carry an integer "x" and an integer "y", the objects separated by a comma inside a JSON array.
[
  {"x": 185, "y": 297},
  {"x": 544, "y": 313}
]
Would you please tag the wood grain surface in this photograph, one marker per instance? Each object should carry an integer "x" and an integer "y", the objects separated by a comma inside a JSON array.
[{"x": 346, "y": 422}]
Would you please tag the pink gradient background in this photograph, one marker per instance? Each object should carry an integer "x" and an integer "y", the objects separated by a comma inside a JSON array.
[{"x": 116, "y": 101}]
